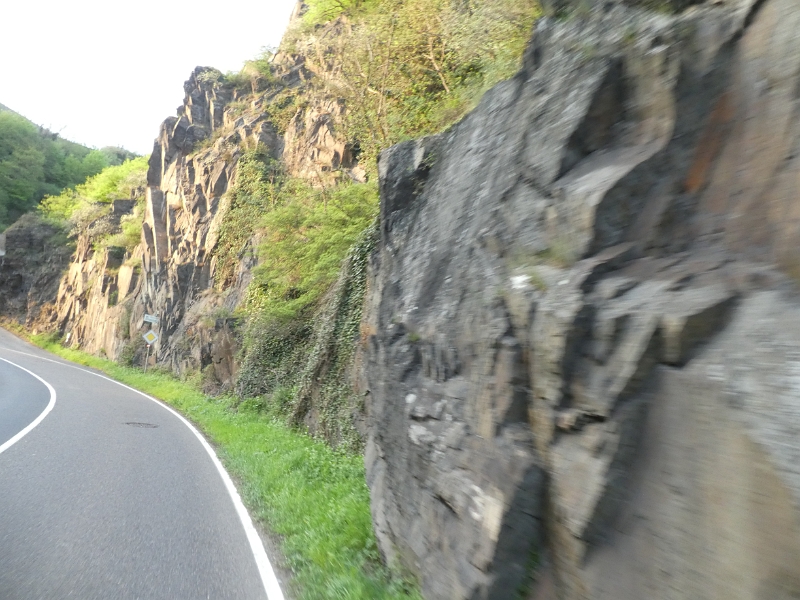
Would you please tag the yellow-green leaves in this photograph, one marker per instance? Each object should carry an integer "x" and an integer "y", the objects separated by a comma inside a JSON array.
[
  {"x": 408, "y": 68},
  {"x": 305, "y": 239},
  {"x": 111, "y": 183}
]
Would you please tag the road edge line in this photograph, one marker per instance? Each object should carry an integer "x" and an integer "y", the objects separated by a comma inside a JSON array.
[
  {"x": 30, "y": 426},
  {"x": 265, "y": 570},
  {"x": 268, "y": 578}
]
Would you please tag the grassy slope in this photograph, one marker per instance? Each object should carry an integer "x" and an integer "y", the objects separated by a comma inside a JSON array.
[{"x": 313, "y": 497}]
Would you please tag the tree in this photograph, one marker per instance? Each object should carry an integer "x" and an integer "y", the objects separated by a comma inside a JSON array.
[{"x": 35, "y": 163}]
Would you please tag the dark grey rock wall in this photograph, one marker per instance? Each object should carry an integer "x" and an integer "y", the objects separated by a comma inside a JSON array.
[{"x": 549, "y": 271}]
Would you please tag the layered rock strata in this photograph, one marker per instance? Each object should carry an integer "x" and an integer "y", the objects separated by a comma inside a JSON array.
[
  {"x": 104, "y": 295},
  {"x": 582, "y": 367}
]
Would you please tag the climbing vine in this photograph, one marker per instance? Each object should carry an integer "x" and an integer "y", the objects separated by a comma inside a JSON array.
[
  {"x": 326, "y": 382},
  {"x": 299, "y": 366}
]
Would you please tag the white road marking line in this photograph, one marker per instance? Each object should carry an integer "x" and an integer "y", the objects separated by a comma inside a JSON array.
[
  {"x": 265, "y": 570},
  {"x": 38, "y": 419}
]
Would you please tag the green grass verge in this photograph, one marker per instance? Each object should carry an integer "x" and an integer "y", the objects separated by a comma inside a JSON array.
[{"x": 316, "y": 499}]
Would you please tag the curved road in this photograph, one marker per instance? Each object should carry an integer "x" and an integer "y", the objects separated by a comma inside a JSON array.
[{"x": 111, "y": 495}]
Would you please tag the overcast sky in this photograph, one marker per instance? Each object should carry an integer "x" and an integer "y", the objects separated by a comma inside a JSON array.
[{"x": 106, "y": 73}]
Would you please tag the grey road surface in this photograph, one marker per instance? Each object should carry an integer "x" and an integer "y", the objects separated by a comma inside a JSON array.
[
  {"x": 20, "y": 401},
  {"x": 110, "y": 496}
]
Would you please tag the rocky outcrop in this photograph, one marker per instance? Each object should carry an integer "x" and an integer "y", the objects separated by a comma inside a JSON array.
[
  {"x": 582, "y": 355},
  {"x": 106, "y": 292},
  {"x": 184, "y": 206},
  {"x": 173, "y": 273},
  {"x": 33, "y": 256},
  {"x": 312, "y": 150},
  {"x": 96, "y": 294}
]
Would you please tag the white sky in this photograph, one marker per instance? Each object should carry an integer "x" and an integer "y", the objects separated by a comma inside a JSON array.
[{"x": 106, "y": 72}]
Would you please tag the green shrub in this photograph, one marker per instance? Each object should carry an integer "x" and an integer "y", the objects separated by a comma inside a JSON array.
[
  {"x": 413, "y": 67},
  {"x": 325, "y": 384},
  {"x": 130, "y": 234},
  {"x": 283, "y": 107},
  {"x": 306, "y": 236},
  {"x": 111, "y": 183},
  {"x": 254, "y": 192}
]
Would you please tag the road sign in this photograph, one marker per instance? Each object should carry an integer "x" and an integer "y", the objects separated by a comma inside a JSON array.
[
  {"x": 151, "y": 319},
  {"x": 151, "y": 337}
]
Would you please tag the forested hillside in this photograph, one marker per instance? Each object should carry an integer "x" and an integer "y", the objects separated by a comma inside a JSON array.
[{"x": 35, "y": 162}]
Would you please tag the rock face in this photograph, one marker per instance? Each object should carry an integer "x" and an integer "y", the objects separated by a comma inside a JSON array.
[
  {"x": 104, "y": 295},
  {"x": 95, "y": 296},
  {"x": 584, "y": 318},
  {"x": 106, "y": 292},
  {"x": 34, "y": 256}
]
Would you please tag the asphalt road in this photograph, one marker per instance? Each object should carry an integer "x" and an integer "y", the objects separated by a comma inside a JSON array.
[
  {"x": 21, "y": 401},
  {"x": 111, "y": 495}
]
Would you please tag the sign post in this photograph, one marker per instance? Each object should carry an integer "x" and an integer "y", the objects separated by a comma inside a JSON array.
[
  {"x": 151, "y": 319},
  {"x": 151, "y": 337}
]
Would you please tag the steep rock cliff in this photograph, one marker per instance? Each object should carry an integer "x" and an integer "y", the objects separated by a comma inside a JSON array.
[
  {"x": 173, "y": 273},
  {"x": 583, "y": 351},
  {"x": 34, "y": 255}
]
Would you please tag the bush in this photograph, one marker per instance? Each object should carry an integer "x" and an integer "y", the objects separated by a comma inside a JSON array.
[
  {"x": 111, "y": 183},
  {"x": 254, "y": 192},
  {"x": 306, "y": 236},
  {"x": 413, "y": 67}
]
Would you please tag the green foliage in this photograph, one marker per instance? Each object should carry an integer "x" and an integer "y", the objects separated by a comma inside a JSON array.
[
  {"x": 321, "y": 11},
  {"x": 130, "y": 234},
  {"x": 413, "y": 67},
  {"x": 271, "y": 351},
  {"x": 35, "y": 162},
  {"x": 283, "y": 106},
  {"x": 21, "y": 167},
  {"x": 322, "y": 339},
  {"x": 326, "y": 379},
  {"x": 253, "y": 77},
  {"x": 258, "y": 71},
  {"x": 115, "y": 182},
  {"x": 254, "y": 192},
  {"x": 315, "y": 498},
  {"x": 125, "y": 325},
  {"x": 531, "y": 571},
  {"x": 112, "y": 183},
  {"x": 561, "y": 253},
  {"x": 116, "y": 156},
  {"x": 306, "y": 236}
]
